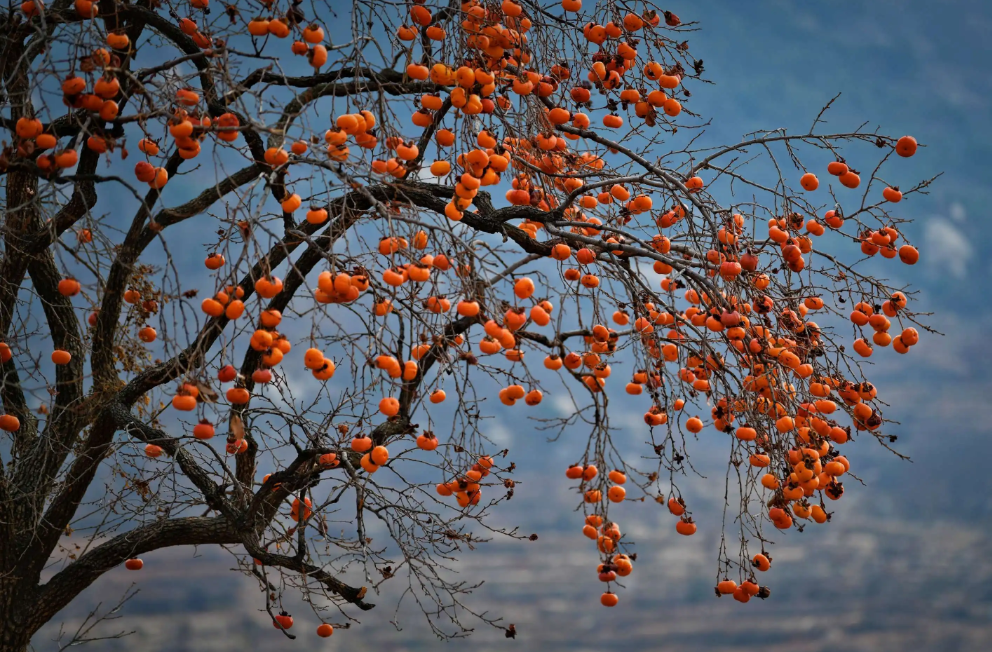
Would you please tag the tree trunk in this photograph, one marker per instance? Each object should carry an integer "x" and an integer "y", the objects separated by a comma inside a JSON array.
[{"x": 12, "y": 638}]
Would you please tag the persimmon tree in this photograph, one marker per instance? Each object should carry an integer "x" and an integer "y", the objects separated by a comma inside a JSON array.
[{"x": 402, "y": 208}]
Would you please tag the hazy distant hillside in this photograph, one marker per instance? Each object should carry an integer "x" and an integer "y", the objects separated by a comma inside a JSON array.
[{"x": 862, "y": 585}]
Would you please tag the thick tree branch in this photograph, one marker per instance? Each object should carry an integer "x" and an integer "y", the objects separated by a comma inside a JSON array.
[{"x": 59, "y": 591}]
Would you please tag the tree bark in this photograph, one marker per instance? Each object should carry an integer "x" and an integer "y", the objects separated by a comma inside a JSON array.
[{"x": 12, "y": 638}]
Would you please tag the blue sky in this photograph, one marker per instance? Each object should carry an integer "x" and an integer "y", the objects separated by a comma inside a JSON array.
[{"x": 914, "y": 67}]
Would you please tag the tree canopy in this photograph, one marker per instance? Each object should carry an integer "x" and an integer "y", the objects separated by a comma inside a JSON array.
[{"x": 413, "y": 218}]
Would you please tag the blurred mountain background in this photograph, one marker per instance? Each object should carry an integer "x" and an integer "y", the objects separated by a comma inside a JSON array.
[{"x": 906, "y": 562}]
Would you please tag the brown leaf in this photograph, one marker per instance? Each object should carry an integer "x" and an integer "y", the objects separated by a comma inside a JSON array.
[
  {"x": 237, "y": 426},
  {"x": 207, "y": 393}
]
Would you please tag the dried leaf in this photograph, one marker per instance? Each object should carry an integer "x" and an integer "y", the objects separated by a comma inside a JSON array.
[
  {"x": 237, "y": 426},
  {"x": 207, "y": 393}
]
